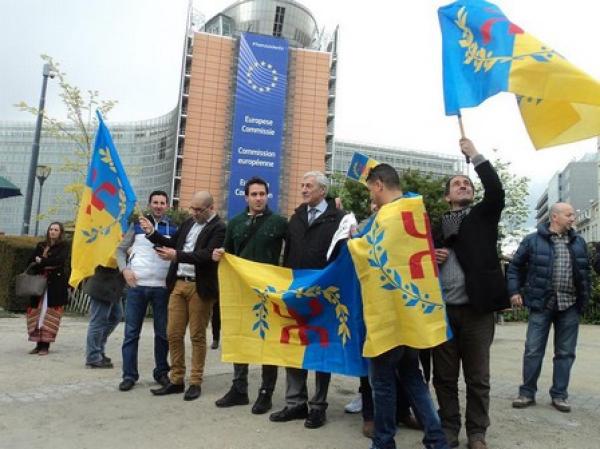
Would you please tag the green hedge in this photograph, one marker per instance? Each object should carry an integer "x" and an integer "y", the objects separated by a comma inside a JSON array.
[{"x": 15, "y": 251}]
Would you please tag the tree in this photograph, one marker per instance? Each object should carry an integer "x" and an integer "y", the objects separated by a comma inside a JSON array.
[
  {"x": 516, "y": 210},
  {"x": 355, "y": 196},
  {"x": 78, "y": 128}
]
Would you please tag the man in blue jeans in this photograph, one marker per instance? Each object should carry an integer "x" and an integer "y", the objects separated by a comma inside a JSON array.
[
  {"x": 384, "y": 187},
  {"x": 550, "y": 274},
  {"x": 145, "y": 275},
  {"x": 105, "y": 289}
]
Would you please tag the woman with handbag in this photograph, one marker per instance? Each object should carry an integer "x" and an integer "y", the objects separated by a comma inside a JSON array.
[{"x": 45, "y": 311}]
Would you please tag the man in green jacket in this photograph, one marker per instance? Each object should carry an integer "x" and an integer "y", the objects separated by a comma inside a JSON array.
[{"x": 256, "y": 234}]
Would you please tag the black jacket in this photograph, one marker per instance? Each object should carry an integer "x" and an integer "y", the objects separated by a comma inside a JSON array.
[
  {"x": 212, "y": 236},
  {"x": 105, "y": 285},
  {"x": 531, "y": 269},
  {"x": 58, "y": 276},
  {"x": 476, "y": 245},
  {"x": 306, "y": 246}
]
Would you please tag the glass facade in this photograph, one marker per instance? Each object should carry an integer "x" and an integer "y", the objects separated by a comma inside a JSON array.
[
  {"x": 439, "y": 165},
  {"x": 281, "y": 18},
  {"x": 146, "y": 148}
]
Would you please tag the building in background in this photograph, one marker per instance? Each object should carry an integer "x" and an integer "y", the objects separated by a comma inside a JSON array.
[
  {"x": 146, "y": 148},
  {"x": 576, "y": 184},
  {"x": 221, "y": 69},
  {"x": 402, "y": 159}
]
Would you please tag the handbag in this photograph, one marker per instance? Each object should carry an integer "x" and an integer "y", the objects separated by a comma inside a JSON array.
[{"x": 27, "y": 284}]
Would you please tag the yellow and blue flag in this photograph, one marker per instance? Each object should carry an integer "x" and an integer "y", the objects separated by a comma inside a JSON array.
[
  {"x": 106, "y": 204},
  {"x": 360, "y": 166},
  {"x": 484, "y": 53},
  {"x": 381, "y": 291}
]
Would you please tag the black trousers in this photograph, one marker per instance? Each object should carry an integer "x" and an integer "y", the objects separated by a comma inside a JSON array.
[
  {"x": 215, "y": 321},
  {"x": 473, "y": 335}
]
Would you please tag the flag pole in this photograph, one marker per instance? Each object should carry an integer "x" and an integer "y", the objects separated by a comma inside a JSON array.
[{"x": 462, "y": 136}]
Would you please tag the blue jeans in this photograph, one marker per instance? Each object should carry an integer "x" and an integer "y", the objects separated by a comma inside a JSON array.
[
  {"x": 382, "y": 374},
  {"x": 566, "y": 328},
  {"x": 104, "y": 318},
  {"x": 136, "y": 305}
]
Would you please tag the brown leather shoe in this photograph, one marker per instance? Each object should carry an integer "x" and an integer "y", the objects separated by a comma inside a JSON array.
[
  {"x": 477, "y": 444},
  {"x": 411, "y": 422},
  {"x": 369, "y": 429}
]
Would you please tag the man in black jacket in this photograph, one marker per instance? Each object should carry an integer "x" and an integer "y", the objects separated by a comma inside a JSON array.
[
  {"x": 193, "y": 286},
  {"x": 550, "y": 274},
  {"x": 473, "y": 287},
  {"x": 310, "y": 231}
]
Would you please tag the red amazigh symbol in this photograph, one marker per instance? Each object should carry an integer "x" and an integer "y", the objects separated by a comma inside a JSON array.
[
  {"x": 486, "y": 28},
  {"x": 416, "y": 260},
  {"x": 316, "y": 308},
  {"x": 96, "y": 201}
]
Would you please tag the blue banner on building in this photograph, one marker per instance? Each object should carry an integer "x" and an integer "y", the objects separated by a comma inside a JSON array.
[{"x": 258, "y": 117}]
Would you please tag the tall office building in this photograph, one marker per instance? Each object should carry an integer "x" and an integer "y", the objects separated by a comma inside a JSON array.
[
  {"x": 257, "y": 98},
  {"x": 576, "y": 184}
]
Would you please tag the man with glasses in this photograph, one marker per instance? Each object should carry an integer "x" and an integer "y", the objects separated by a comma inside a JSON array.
[{"x": 193, "y": 286}]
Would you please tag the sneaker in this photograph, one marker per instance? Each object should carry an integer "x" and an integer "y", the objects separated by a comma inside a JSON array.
[
  {"x": 231, "y": 398},
  {"x": 263, "y": 403},
  {"x": 522, "y": 402},
  {"x": 354, "y": 406},
  {"x": 215, "y": 344},
  {"x": 561, "y": 405}
]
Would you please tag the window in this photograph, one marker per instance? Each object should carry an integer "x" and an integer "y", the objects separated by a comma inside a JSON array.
[
  {"x": 278, "y": 23},
  {"x": 162, "y": 149}
]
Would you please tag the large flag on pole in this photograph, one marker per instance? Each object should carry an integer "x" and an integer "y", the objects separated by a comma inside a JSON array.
[
  {"x": 382, "y": 291},
  {"x": 484, "y": 53},
  {"x": 106, "y": 203}
]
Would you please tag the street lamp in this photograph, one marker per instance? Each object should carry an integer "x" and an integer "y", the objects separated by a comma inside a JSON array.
[
  {"x": 35, "y": 149},
  {"x": 41, "y": 173}
]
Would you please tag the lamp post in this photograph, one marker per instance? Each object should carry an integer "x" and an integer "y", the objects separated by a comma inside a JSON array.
[
  {"x": 48, "y": 71},
  {"x": 41, "y": 173}
]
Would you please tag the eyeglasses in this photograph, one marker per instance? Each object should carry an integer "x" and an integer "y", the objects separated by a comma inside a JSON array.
[{"x": 199, "y": 210}]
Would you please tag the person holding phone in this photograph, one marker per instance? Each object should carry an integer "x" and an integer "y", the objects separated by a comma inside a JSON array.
[{"x": 145, "y": 273}]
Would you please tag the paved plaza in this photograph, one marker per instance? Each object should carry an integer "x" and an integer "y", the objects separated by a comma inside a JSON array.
[{"x": 55, "y": 402}]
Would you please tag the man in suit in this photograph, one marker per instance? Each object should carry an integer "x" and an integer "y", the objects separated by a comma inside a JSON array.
[
  {"x": 193, "y": 286},
  {"x": 310, "y": 231}
]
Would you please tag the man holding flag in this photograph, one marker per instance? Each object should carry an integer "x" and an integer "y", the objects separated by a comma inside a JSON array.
[
  {"x": 255, "y": 234},
  {"x": 473, "y": 286},
  {"x": 384, "y": 188},
  {"x": 106, "y": 203}
]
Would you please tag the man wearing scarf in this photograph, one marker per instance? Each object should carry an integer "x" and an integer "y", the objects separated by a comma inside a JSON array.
[{"x": 473, "y": 287}]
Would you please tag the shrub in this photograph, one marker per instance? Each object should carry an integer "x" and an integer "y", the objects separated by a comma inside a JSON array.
[{"x": 15, "y": 251}]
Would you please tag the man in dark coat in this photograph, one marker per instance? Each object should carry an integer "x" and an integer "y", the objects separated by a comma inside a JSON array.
[
  {"x": 193, "y": 286},
  {"x": 473, "y": 287},
  {"x": 550, "y": 274},
  {"x": 310, "y": 231},
  {"x": 255, "y": 234}
]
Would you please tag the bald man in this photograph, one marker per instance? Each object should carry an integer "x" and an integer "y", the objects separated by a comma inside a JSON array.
[
  {"x": 550, "y": 275},
  {"x": 193, "y": 286}
]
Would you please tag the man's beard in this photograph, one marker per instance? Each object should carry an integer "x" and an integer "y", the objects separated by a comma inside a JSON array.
[{"x": 465, "y": 202}]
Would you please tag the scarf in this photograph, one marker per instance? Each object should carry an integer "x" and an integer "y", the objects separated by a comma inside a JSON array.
[{"x": 451, "y": 222}]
